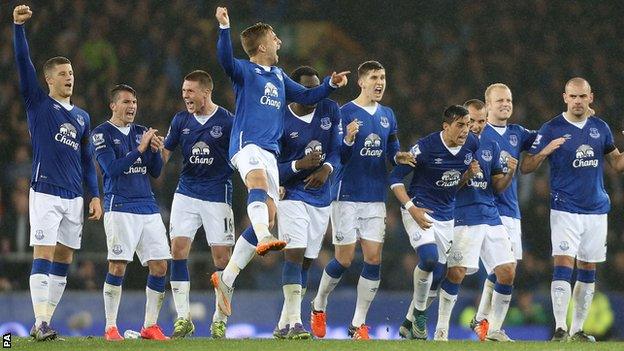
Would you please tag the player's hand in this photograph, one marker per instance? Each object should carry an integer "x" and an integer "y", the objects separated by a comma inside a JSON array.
[
  {"x": 309, "y": 161},
  {"x": 21, "y": 14},
  {"x": 473, "y": 169},
  {"x": 222, "y": 16},
  {"x": 405, "y": 158},
  {"x": 281, "y": 192},
  {"x": 157, "y": 143},
  {"x": 95, "y": 209},
  {"x": 420, "y": 216},
  {"x": 352, "y": 129},
  {"x": 552, "y": 146},
  {"x": 340, "y": 79},
  {"x": 512, "y": 164},
  {"x": 317, "y": 178},
  {"x": 146, "y": 140}
]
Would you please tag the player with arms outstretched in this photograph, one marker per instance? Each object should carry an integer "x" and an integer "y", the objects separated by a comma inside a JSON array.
[{"x": 262, "y": 90}]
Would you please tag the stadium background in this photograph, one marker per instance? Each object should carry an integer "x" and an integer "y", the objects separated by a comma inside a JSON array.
[{"x": 435, "y": 53}]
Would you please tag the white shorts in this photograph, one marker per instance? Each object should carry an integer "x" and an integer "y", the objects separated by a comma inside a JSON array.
[
  {"x": 353, "y": 220},
  {"x": 440, "y": 233},
  {"x": 471, "y": 242},
  {"x": 583, "y": 236},
  {"x": 514, "y": 229},
  {"x": 302, "y": 226},
  {"x": 127, "y": 233},
  {"x": 54, "y": 219},
  {"x": 252, "y": 157},
  {"x": 188, "y": 214}
]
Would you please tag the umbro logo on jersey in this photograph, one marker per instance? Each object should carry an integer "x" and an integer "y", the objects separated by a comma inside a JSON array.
[
  {"x": 57, "y": 107},
  {"x": 185, "y": 131},
  {"x": 567, "y": 136},
  {"x": 258, "y": 70},
  {"x": 294, "y": 135},
  {"x": 438, "y": 161},
  {"x": 116, "y": 141}
]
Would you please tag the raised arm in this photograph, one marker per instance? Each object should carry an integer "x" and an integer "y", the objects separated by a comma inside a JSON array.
[
  {"x": 225, "y": 53},
  {"x": 155, "y": 163},
  {"x": 531, "y": 161},
  {"x": 29, "y": 86},
  {"x": 500, "y": 180},
  {"x": 105, "y": 156}
]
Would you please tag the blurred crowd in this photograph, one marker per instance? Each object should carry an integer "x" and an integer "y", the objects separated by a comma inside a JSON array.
[{"x": 435, "y": 53}]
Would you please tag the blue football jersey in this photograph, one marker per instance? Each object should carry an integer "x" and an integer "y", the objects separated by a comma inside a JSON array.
[
  {"x": 576, "y": 168},
  {"x": 475, "y": 202},
  {"x": 206, "y": 173},
  {"x": 364, "y": 176},
  {"x": 437, "y": 174},
  {"x": 125, "y": 170},
  {"x": 60, "y": 136},
  {"x": 300, "y": 137},
  {"x": 261, "y": 98},
  {"x": 512, "y": 142}
]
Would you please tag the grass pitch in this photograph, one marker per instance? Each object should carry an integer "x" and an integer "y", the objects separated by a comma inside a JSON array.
[{"x": 204, "y": 344}]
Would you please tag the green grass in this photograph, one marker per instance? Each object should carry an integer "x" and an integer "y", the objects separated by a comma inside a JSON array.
[{"x": 203, "y": 344}]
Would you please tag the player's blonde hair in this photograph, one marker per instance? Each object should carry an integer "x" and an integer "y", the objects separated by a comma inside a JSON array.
[{"x": 491, "y": 87}]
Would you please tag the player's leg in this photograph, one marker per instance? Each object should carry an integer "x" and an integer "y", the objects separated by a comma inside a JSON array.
[
  {"x": 112, "y": 296},
  {"x": 565, "y": 237},
  {"x": 497, "y": 252},
  {"x": 592, "y": 250},
  {"x": 122, "y": 236},
  {"x": 344, "y": 227},
  {"x": 45, "y": 218},
  {"x": 69, "y": 239},
  {"x": 218, "y": 220},
  {"x": 423, "y": 242},
  {"x": 463, "y": 258},
  {"x": 368, "y": 284},
  {"x": 153, "y": 251},
  {"x": 294, "y": 224}
]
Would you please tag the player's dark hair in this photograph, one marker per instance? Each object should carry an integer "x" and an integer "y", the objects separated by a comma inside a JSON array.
[
  {"x": 252, "y": 36},
  {"x": 53, "y": 62},
  {"x": 303, "y": 71},
  {"x": 114, "y": 93},
  {"x": 368, "y": 66},
  {"x": 453, "y": 113},
  {"x": 202, "y": 77},
  {"x": 476, "y": 103}
]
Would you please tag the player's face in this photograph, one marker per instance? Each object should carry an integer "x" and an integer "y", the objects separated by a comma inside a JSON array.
[
  {"x": 195, "y": 97},
  {"x": 457, "y": 132},
  {"x": 578, "y": 97},
  {"x": 373, "y": 84},
  {"x": 125, "y": 107},
  {"x": 500, "y": 104},
  {"x": 271, "y": 44},
  {"x": 310, "y": 82},
  {"x": 477, "y": 119},
  {"x": 60, "y": 79}
]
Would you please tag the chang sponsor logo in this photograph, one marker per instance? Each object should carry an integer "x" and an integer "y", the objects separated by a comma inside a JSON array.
[
  {"x": 585, "y": 157},
  {"x": 504, "y": 157},
  {"x": 67, "y": 135},
  {"x": 449, "y": 179},
  {"x": 478, "y": 181},
  {"x": 270, "y": 96},
  {"x": 372, "y": 146},
  {"x": 137, "y": 168},
  {"x": 199, "y": 154}
]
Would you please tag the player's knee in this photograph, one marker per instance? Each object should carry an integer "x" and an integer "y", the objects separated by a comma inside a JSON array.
[
  {"x": 428, "y": 255},
  {"x": 456, "y": 274},
  {"x": 256, "y": 179},
  {"x": 180, "y": 248},
  {"x": 344, "y": 260},
  {"x": 158, "y": 268},
  {"x": 505, "y": 274},
  {"x": 63, "y": 254},
  {"x": 589, "y": 266},
  {"x": 117, "y": 268}
]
